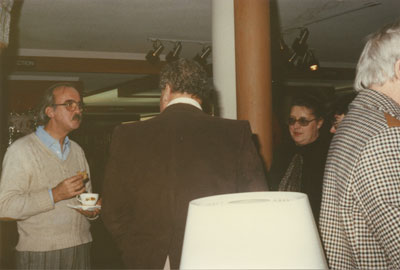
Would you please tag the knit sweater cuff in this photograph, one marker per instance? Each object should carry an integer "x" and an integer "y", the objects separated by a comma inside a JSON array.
[{"x": 44, "y": 200}]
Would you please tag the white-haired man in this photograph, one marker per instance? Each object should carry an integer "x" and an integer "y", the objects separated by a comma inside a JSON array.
[{"x": 360, "y": 212}]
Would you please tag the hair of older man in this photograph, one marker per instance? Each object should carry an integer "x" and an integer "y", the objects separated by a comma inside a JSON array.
[
  {"x": 377, "y": 61},
  {"x": 47, "y": 100},
  {"x": 186, "y": 76}
]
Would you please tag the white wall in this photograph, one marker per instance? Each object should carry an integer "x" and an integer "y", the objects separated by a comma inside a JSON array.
[{"x": 223, "y": 44}]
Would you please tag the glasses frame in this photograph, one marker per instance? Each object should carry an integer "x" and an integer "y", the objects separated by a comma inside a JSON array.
[
  {"x": 302, "y": 121},
  {"x": 71, "y": 105}
]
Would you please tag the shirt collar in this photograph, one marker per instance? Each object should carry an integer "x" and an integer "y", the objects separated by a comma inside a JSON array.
[
  {"x": 185, "y": 100},
  {"x": 379, "y": 100},
  {"x": 48, "y": 140}
]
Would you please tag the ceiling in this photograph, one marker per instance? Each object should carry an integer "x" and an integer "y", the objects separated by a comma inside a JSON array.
[{"x": 122, "y": 29}]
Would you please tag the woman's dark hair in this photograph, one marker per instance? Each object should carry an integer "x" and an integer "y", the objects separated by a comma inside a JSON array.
[{"x": 311, "y": 102}]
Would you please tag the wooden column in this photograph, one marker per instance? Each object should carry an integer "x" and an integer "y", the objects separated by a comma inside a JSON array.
[
  {"x": 253, "y": 70},
  {"x": 2, "y": 104}
]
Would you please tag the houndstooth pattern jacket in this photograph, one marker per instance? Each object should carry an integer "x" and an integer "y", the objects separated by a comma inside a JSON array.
[{"x": 360, "y": 211}]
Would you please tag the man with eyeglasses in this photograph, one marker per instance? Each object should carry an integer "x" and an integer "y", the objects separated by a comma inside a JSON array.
[{"x": 41, "y": 176}]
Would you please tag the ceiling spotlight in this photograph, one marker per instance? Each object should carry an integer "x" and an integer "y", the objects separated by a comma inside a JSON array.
[
  {"x": 153, "y": 56},
  {"x": 313, "y": 63},
  {"x": 299, "y": 55},
  {"x": 300, "y": 43},
  {"x": 174, "y": 54},
  {"x": 202, "y": 57}
]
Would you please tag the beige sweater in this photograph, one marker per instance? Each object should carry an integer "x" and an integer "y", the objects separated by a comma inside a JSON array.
[{"x": 29, "y": 170}]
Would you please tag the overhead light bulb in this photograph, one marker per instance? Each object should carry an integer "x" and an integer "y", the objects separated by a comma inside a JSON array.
[
  {"x": 313, "y": 63},
  {"x": 314, "y": 67}
]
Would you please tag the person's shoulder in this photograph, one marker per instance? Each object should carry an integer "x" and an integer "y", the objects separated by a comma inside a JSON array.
[
  {"x": 231, "y": 126},
  {"x": 129, "y": 127},
  {"x": 75, "y": 146},
  {"x": 23, "y": 141},
  {"x": 229, "y": 122},
  {"x": 391, "y": 121},
  {"x": 22, "y": 146}
]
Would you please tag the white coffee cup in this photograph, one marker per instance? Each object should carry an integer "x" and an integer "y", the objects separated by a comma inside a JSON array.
[{"x": 88, "y": 199}]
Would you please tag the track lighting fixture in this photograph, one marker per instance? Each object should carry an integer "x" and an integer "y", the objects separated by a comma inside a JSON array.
[
  {"x": 202, "y": 57},
  {"x": 299, "y": 55},
  {"x": 153, "y": 56},
  {"x": 300, "y": 43},
  {"x": 174, "y": 54}
]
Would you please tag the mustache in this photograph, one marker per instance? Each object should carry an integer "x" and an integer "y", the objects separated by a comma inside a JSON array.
[{"x": 77, "y": 117}]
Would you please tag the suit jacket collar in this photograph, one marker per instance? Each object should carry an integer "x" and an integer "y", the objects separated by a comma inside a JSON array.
[{"x": 377, "y": 100}]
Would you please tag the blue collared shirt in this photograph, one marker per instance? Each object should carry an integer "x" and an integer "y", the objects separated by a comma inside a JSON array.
[{"x": 54, "y": 146}]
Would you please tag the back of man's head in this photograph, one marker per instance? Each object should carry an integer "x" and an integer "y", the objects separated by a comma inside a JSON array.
[
  {"x": 377, "y": 61},
  {"x": 186, "y": 76}
]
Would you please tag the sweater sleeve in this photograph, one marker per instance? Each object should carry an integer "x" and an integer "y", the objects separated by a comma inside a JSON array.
[
  {"x": 88, "y": 185},
  {"x": 17, "y": 200}
]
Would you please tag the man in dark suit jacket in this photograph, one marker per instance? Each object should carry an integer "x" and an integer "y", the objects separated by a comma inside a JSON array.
[{"x": 158, "y": 166}]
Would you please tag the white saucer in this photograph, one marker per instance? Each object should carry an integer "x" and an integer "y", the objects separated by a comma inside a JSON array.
[{"x": 85, "y": 207}]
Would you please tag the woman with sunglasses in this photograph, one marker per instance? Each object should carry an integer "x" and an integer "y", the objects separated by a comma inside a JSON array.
[{"x": 298, "y": 165}]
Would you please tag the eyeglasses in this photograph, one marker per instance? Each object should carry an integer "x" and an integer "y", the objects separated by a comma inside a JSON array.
[
  {"x": 302, "y": 121},
  {"x": 71, "y": 105}
]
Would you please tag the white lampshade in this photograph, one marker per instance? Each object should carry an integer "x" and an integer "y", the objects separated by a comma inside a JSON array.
[{"x": 255, "y": 230}]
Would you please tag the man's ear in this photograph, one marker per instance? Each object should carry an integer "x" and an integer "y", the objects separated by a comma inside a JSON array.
[
  {"x": 167, "y": 93},
  {"x": 320, "y": 122},
  {"x": 49, "y": 112},
  {"x": 165, "y": 98}
]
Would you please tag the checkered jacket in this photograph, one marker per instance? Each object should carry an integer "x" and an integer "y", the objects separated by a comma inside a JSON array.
[{"x": 360, "y": 211}]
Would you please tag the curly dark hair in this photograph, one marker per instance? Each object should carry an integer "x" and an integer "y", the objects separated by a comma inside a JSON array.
[
  {"x": 186, "y": 76},
  {"x": 341, "y": 105},
  {"x": 311, "y": 102}
]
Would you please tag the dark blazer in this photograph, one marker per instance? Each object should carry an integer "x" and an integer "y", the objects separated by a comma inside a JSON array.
[{"x": 158, "y": 166}]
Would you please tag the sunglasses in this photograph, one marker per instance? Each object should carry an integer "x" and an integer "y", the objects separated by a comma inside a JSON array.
[
  {"x": 302, "y": 121},
  {"x": 71, "y": 105}
]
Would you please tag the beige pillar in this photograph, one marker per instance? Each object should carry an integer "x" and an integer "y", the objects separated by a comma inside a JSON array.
[
  {"x": 253, "y": 70},
  {"x": 223, "y": 45}
]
